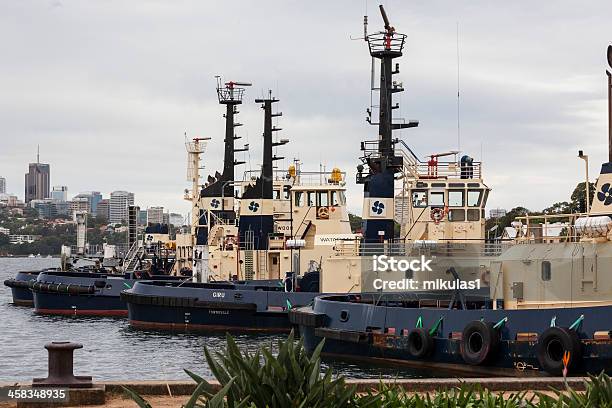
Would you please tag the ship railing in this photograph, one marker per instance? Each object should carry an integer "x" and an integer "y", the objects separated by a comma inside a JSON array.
[
  {"x": 448, "y": 248},
  {"x": 216, "y": 220},
  {"x": 303, "y": 178},
  {"x": 226, "y": 94},
  {"x": 381, "y": 42},
  {"x": 90, "y": 250},
  {"x": 546, "y": 228},
  {"x": 416, "y": 168},
  {"x": 97, "y": 250},
  {"x": 449, "y": 170}
]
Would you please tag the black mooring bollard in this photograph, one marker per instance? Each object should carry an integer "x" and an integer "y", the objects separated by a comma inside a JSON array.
[{"x": 61, "y": 367}]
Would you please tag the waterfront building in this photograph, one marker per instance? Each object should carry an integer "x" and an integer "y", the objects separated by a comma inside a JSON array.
[
  {"x": 22, "y": 239},
  {"x": 5, "y": 231},
  {"x": 37, "y": 181},
  {"x": 119, "y": 202},
  {"x": 2, "y": 185},
  {"x": 59, "y": 193}
]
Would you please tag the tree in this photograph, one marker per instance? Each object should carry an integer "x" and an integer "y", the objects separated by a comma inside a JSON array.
[
  {"x": 562, "y": 207},
  {"x": 579, "y": 197},
  {"x": 506, "y": 220},
  {"x": 356, "y": 222}
]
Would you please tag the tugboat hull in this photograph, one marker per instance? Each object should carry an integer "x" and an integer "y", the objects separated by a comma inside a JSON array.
[
  {"x": 364, "y": 331},
  {"x": 79, "y": 294},
  {"x": 20, "y": 289},
  {"x": 233, "y": 307},
  {"x": 83, "y": 294}
]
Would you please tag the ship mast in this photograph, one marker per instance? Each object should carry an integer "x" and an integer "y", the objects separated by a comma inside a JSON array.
[
  {"x": 216, "y": 196},
  {"x": 256, "y": 207},
  {"x": 609, "y": 55},
  {"x": 379, "y": 155}
]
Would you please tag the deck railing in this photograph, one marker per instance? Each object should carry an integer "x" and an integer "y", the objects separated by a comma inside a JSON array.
[{"x": 467, "y": 249}]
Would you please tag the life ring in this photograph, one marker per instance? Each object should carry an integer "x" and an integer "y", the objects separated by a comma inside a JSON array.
[
  {"x": 479, "y": 342},
  {"x": 323, "y": 212},
  {"x": 437, "y": 214},
  {"x": 420, "y": 343},
  {"x": 552, "y": 347}
]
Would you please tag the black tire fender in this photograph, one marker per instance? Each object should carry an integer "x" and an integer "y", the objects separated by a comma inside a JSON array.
[
  {"x": 553, "y": 344},
  {"x": 420, "y": 343},
  {"x": 479, "y": 342}
]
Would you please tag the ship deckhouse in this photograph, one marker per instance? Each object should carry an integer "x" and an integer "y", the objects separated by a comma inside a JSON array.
[{"x": 441, "y": 199}]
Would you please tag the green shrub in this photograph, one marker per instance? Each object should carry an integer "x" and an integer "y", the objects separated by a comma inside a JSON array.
[{"x": 292, "y": 378}]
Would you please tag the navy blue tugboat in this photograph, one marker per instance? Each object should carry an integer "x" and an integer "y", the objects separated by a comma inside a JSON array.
[
  {"x": 243, "y": 288},
  {"x": 547, "y": 308},
  {"x": 95, "y": 290},
  {"x": 20, "y": 287}
]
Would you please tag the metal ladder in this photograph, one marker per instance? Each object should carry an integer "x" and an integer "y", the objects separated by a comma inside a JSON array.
[
  {"x": 262, "y": 264},
  {"x": 248, "y": 255}
]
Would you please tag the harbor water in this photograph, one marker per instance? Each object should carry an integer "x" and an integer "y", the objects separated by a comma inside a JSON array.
[{"x": 112, "y": 350}]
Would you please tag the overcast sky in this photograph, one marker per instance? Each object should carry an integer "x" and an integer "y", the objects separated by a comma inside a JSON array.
[{"x": 108, "y": 88}]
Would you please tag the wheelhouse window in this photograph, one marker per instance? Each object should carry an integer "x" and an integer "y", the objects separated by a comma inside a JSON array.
[
  {"x": 473, "y": 198},
  {"x": 484, "y": 199},
  {"x": 342, "y": 197},
  {"x": 436, "y": 198},
  {"x": 276, "y": 194},
  {"x": 299, "y": 199},
  {"x": 456, "y": 214},
  {"x": 287, "y": 192},
  {"x": 546, "y": 271},
  {"x": 473, "y": 214},
  {"x": 419, "y": 199},
  {"x": 455, "y": 198},
  {"x": 322, "y": 199},
  {"x": 311, "y": 199},
  {"x": 335, "y": 199}
]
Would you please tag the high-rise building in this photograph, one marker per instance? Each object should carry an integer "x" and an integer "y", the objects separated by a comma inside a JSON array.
[
  {"x": 79, "y": 204},
  {"x": 2, "y": 185},
  {"x": 119, "y": 202},
  {"x": 37, "y": 181},
  {"x": 103, "y": 209},
  {"x": 93, "y": 198},
  {"x": 155, "y": 215},
  {"x": 142, "y": 217},
  {"x": 59, "y": 193},
  {"x": 176, "y": 219}
]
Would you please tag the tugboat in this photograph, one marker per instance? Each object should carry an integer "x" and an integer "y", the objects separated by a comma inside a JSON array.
[
  {"x": 79, "y": 259},
  {"x": 547, "y": 311},
  {"x": 96, "y": 291},
  {"x": 287, "y": 221},
  {"x": 20, "y": 287}
]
